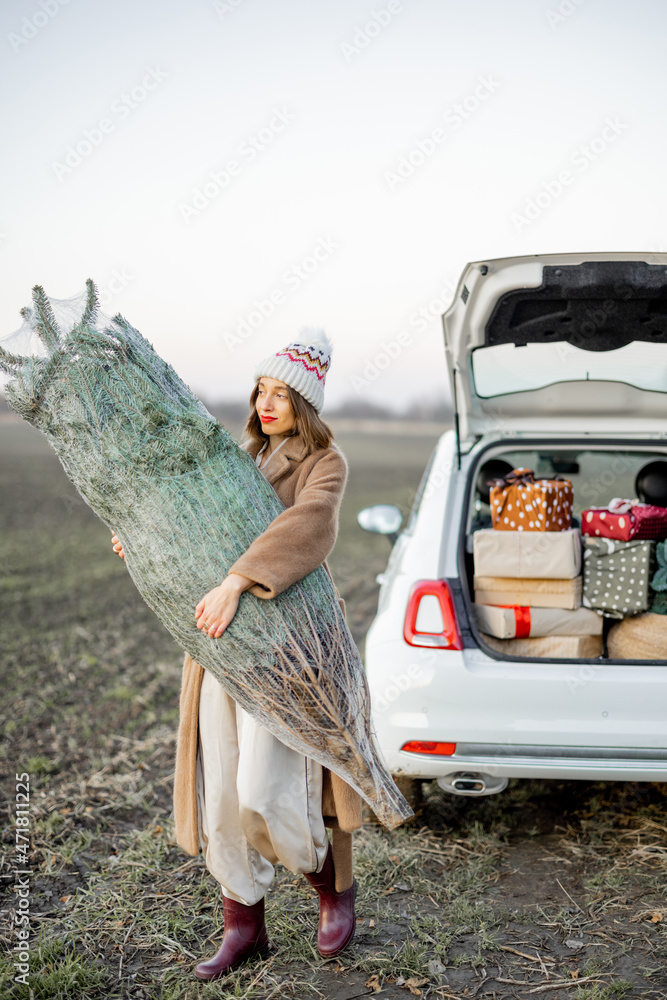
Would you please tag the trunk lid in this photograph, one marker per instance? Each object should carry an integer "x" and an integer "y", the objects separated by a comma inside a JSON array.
[{"x": 560, "y": 342}]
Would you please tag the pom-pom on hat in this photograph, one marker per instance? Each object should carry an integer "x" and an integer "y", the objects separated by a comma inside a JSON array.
[{"x": 302, "y": 365}]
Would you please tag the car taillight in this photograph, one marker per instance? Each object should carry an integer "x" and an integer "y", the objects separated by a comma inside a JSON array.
[
  {"x": 431, "y": 747},
  {"x": 449, "y": 637}
]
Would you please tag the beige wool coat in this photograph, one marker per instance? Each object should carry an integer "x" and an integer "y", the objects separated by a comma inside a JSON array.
[{"x": 296, "y": 542}]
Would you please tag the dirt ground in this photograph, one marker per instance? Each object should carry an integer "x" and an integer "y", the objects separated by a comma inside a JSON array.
[{"x": 553, "y": 889}]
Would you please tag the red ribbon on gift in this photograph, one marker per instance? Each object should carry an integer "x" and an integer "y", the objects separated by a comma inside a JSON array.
[{"x": 521, "y": 620}]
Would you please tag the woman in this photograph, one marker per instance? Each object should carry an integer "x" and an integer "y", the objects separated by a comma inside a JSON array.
[{"x": 240, "y": 795}]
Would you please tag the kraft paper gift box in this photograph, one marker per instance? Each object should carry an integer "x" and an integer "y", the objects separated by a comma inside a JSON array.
[
  {"x": 616, "y": 575},
  {"x": 577, "y": 647},
  {"x": 519, "y": 502},
  {"x": 625, "y": 520},
  {"x": 642, "y": 637},
  {"x": 521, "y": 623},
  {"x": 545, "y": 555},
  {"x": 528, "y": 592}
]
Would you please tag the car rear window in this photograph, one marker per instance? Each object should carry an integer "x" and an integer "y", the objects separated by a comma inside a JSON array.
[{"x": 507, "y": 368}]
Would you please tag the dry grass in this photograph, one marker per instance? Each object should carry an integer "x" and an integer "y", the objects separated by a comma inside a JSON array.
[{"x": 550, "y": 890}]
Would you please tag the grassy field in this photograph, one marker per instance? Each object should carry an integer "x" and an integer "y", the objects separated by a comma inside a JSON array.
[{"x": 551, "y": 889}]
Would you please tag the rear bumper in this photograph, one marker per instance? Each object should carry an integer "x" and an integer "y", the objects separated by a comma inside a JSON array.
[
  {"x": 512, "y": 761},
  {"x": 596, "y": 722}
]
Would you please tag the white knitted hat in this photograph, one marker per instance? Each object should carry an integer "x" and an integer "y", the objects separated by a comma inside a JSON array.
[{"x": 302, "y": 365}]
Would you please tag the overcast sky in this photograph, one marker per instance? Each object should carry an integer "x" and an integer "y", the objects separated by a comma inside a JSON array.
[{"x": 229, "y": 172}]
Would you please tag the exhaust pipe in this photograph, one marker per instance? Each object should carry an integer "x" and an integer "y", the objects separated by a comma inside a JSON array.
[{"x": 472, "y": 783}]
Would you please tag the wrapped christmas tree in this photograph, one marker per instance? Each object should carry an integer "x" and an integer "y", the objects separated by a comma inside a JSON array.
[{"x": 186, "y": 501}]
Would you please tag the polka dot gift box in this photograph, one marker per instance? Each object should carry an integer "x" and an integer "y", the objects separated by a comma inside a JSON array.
[
  {"x": 519, "y": 502},
  {"x": 616, "y": 575},
  {"x": 625, "y": 519}
]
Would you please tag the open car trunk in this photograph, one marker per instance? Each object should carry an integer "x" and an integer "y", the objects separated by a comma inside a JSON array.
[
  {"x": 623, "y": 630},
  {"x": 540, "y": 344},
  {"x": 564, "y": 359}
]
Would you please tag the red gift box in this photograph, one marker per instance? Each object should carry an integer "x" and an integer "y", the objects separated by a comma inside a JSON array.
[{"x": 624, "y": 520}]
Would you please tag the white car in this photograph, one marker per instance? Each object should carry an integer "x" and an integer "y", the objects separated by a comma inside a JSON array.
[{"x": 558, "y": 364}]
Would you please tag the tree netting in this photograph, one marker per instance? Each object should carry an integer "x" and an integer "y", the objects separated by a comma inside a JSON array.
[{"x": 186, "y": 502}]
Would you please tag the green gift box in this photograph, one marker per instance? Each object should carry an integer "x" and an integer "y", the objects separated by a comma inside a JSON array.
[{"x": 616, "y": 575}]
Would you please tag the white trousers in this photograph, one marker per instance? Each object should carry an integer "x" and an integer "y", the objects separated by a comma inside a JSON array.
[{"x": 258, "y": 801}]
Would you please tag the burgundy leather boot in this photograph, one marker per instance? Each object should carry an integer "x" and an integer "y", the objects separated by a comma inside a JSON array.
[
  {"x": 337, "y": 921},
  {"x": 244, "y": 936}
]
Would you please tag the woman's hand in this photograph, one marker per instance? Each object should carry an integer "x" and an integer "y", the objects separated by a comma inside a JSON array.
[
  {"x": 215, "y": 611},
  {"x": 117, "y": 547}
]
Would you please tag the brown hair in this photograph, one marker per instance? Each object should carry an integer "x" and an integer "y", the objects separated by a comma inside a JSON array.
[{"x": 315, "y": 433}]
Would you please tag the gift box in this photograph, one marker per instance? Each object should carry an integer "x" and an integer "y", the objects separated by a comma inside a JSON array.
[
  {"x": 577, "y": 647},
  {"x": 625, "y": 520},
  {"x": 616, "y": 575},
  {"x": 522, "y": 622},
  {"x": 545, "y": 555},
  {"x": 643, "y": 637},
  {"x": 528, "y": 592},
  {"x": 519, "y": 502}
]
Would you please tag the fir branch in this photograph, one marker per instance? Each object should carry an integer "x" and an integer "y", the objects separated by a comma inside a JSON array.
[
  {"x": 47, "y": 367},
  {"x": 8, "y": 362},
  {"x": 28, "y": 316},
  {"x": 92, "y": 304},
  {"x": 45, "y": 322}
]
